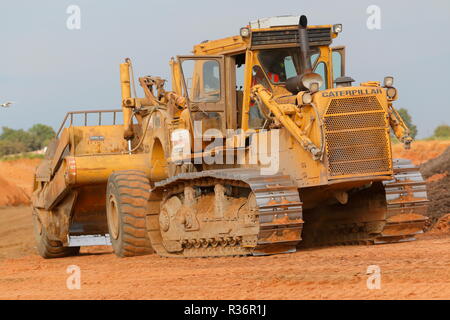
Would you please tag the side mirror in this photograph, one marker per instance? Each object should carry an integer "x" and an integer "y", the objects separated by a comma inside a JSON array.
[{"x": 344, "y": 82}]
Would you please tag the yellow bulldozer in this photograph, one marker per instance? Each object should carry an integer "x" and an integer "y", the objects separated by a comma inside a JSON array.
[{"x": 263, "y": 145}]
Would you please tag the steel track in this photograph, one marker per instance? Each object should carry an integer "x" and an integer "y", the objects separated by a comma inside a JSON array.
[{"x": 279, "y": 212}]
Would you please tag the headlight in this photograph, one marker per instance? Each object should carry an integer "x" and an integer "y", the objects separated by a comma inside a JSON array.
[
  {"x": 306, "y": 98},
  {"x": 245, "y": 32},
  {"x": 337, "y": 28},
  {"x": 314, "y": 87},
  {"x": 391, "y": 93},
  {"x": 312, "y": 81},
  {"x": 388, "y": 82}
]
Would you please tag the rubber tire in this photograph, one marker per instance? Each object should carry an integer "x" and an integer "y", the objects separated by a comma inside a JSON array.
[
  {"x": 130, "y": 190},
  {"x": 50, "y": 249}
]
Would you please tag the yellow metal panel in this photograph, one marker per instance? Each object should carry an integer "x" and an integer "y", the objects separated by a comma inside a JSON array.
[
  {"x": 62, "y": 144},
  {"x": 56, "y": 189},
  {"x": 97, "y": 169},
  {"x": 357, "y": 131},
  {"x": 126, "y": 94},
  {"x": 176, "y": 76},
  {"x": 222, "y": 46},
  {"x": 249, "y": 56},
  {"x": 98, "y": 139}
]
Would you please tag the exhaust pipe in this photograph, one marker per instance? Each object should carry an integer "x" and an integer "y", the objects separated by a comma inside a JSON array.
[
  {"x": 303, "y": 40},
  {"x": 304, "y": 81}
]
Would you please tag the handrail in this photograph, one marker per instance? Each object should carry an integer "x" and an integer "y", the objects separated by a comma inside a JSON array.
[{"x": 99, "y": 112}]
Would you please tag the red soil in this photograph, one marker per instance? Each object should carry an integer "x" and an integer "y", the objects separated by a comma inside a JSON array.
[
  {"x": 16, "y": 181},
  {"x": 421, "y": 151}
]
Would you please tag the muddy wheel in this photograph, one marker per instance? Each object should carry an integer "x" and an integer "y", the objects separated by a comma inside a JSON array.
[
  {"x": 127, "y": 195},
  {"x": 47, "y": 248}
]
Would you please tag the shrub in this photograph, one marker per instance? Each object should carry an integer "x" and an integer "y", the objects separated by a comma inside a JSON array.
[{"x": 442, "y": 131}]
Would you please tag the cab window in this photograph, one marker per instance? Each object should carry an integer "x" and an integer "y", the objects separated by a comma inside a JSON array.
[
  {"x": 321, "y": 69},
  {"x": 289, "y": 67},
  {"x": 282, "y": 64},
  {"x": 337, "y": 65},
  {"x": 202, "y": 79},
  {"x": 314, "y": 58},
  {"x": 256, "y": 119}
]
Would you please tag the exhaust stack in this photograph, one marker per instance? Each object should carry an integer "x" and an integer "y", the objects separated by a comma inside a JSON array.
[
  {"x": 304, "y": 81},
  {"x": 305, "y": 58}
]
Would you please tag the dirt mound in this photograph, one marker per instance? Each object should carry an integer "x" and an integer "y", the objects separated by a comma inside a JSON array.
[
  {"x": 439, "y": 195},
  {"x": 436, "y": 172},
  {"x": 434, "y": 160},
  {"x": 421, "y": 151},
  {"x": 439, "y": 165},
  {"x": 437, "y": 177},
  {"x": 12, "y": 195},
  {"x": 442, "y": 226},
  {"x": 16, "y": 181}
]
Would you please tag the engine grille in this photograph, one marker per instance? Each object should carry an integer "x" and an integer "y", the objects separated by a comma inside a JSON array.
[
  {"x": 357, "y": 137},
  {"x": 317, "y": 37}
]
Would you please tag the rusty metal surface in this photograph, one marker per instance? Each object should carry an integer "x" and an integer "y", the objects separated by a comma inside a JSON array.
[
  {"x": 278, "y": 211},
  {"x": 89, "y": 211},
  {"x": 43, "y": 171},
  {"x": 407, "y": 203},
  {"x": 55, "y": 190},
  {"x": 389, "y": 211},
  {"x": 356, "y": 222}
]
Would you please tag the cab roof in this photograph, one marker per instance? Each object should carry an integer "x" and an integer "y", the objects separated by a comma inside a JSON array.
[{"x": 273, "y": 32}]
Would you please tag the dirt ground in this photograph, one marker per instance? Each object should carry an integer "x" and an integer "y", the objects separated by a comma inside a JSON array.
[
  {"x": 412, "y": 270},
  {"x": 16, "y": 233}
]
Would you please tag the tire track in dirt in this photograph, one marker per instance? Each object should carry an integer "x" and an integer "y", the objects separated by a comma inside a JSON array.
[{"x": 413, "y": 270}]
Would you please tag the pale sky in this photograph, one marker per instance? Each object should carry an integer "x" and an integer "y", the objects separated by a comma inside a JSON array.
[{"x": 49, "y": 70}]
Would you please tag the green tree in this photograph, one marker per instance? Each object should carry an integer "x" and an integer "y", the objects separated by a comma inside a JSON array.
[
  {"x": 442, "y": 131},
  {"x": 408, "y": 121},
  {"x": 18, "y": 136},
  {"x": 11, "y": 147},
  {"x": 41, "y": 134},
  {"x": 17, "y": 141}
]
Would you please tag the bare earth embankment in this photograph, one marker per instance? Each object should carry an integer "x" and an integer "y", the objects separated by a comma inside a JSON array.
[{"x": 16, "y": 181}]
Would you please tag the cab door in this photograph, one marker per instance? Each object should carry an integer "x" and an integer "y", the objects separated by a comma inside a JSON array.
[{"x": 204, "y": 89}]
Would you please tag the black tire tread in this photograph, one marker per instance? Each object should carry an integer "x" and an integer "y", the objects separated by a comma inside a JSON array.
[{"x": 132, "y": 191}]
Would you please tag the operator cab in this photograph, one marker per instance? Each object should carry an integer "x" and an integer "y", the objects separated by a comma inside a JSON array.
[{"x": 218, "y": 78}]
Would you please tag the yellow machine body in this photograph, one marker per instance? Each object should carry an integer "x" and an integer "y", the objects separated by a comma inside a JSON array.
[{"x": 333, "y": 151}]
